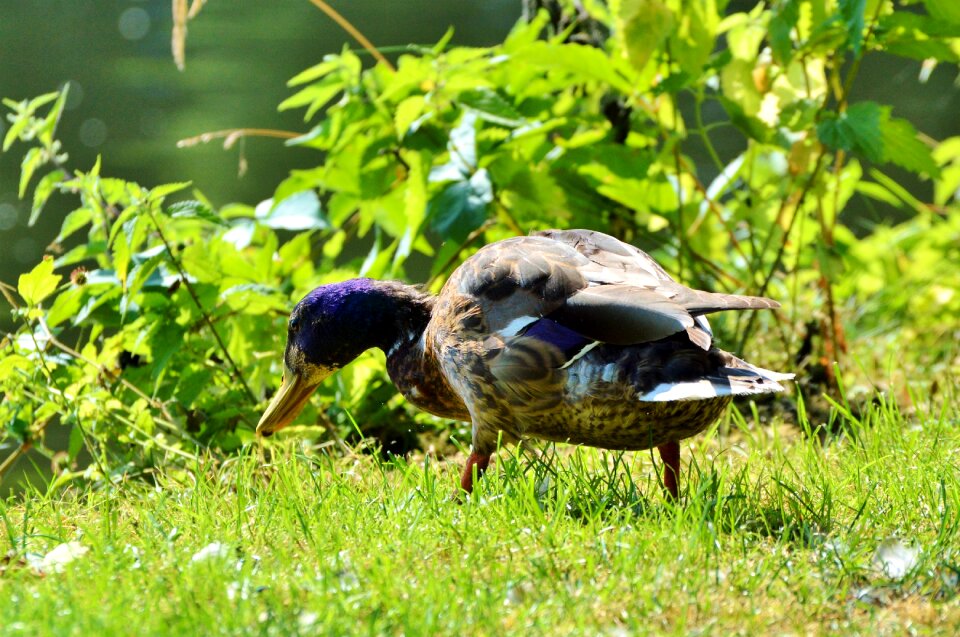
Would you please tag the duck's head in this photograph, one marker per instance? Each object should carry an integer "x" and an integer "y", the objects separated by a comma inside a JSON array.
[{"x": 329, "y": 328}]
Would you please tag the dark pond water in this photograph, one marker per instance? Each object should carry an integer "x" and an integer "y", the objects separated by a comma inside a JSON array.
[{"x": 129, "y": 103}]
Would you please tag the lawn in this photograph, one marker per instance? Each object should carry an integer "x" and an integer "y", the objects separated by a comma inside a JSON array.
[{"x": 777, "y": 532}]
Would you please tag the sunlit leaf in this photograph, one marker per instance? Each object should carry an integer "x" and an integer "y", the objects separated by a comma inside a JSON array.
[
  {"x": 195, "y": 210},
  {"x": 643, "y": 26},
  {"x": 491, "y": 106},
  {"x": 300, "y": 211},
  {"x": 31, "y": 161},
  {"x": 45, "y": 187},
  {"x": 902, "y": 147},
  {"x": 39, "y": 283}
]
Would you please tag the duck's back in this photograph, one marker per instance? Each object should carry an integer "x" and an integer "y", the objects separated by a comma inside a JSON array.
[{"x": 574, "y": 335}]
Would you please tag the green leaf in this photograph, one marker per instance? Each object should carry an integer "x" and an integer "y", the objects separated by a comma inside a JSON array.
[
  {"x": 330, "y": 63},
  {"x": 141, "y": 273},
  {"x": 693, "y": 39},
  {"x": 492, "y": 107},
  {"x": 159, "y": 192},
  {"x": 11, "y": 364},
  {"x": 946, "y": 10},
  {"x": 578, "y": 62},
  {"x": 852, "y": 12},
  {"x": 49, "y": 127},
  {"x": 31, "y": 161},
  {"x": 867, "y": 128},
  {"x": 461, "y": 207},
  {"x": 45, "y": 187},
  {"x": 39, "y": 283},
  {"x": 16, "y": 128},
  {"x": 902, "y": 147},
  {"x": 856, "y": 129},
  {"x": 643, "y": 27},
  {"x": 406, "y": 113},
  {"x": 65, "y": 306},
  {"x": 194, "y": 209},
  {"x": 299, "y": 211},
  {"x": 782, "y": 22},
  {"x": 76, "y": 441},
  {"x": 75, "y": 220}
]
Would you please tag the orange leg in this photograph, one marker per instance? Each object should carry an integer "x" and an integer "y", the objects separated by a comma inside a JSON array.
[
  {"x": 477, "y": 460},
  {"x": 670, "y": 454}
]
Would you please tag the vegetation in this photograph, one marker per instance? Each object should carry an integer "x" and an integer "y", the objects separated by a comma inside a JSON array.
[
  {"x": 152, "y": 333},
  {"x": 776, "y": 535}
]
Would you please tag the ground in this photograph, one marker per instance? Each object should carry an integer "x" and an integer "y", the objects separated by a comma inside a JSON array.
[{"x": 777, "y": 532}]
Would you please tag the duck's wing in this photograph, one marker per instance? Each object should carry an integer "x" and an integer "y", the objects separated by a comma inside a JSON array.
[
  {"x": 616, "y": 262},
  {"x": 516, "y": 283}
]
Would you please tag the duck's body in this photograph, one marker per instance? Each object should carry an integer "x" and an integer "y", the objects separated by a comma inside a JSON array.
[{"x": 571, "y": 336}]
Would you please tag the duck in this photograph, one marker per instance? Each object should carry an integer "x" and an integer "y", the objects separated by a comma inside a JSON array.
[{"x": 570, "y": 336}]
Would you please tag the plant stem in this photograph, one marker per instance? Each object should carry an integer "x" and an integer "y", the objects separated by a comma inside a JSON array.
[
  {"x": 353, "y": 31},
  {"x": 196, "y": 299}
]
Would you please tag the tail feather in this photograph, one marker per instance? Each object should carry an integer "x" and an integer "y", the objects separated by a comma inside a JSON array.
[
  {"x": 739, "y": 378},
  {"x": 698, "y": 302}
]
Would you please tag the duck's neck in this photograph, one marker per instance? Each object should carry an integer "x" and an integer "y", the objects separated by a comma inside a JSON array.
[
  {"x": 413, "y": 370},
  {"x": 388, "y": 314}
]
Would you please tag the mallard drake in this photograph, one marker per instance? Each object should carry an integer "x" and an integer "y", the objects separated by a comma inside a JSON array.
[{"x": 563, "y": 335}]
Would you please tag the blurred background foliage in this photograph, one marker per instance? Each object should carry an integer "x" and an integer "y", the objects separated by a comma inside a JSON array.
[{"x": 802, "y": 149}]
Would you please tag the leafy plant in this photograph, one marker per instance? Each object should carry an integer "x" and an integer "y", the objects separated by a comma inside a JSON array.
[{"x": 175, "y": 308}]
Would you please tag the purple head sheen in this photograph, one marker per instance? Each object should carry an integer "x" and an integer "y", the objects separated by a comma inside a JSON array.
[
  {"x": 332, "y": 297},
  {"x": 565, "y": 339}
]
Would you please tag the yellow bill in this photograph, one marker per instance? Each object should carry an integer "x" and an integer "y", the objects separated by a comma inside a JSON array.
[{"x": 288, "y": 402}]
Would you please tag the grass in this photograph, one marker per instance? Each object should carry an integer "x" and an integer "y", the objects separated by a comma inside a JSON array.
[{"x": 776, "y": 533}]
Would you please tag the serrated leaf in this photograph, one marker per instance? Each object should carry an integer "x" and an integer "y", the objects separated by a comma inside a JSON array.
[
  {"x": 492, "y": 107},
  {"x": 580, "y": 62},
  {"x": 856, "y": 129},
  {"x": 142, "y": 272},
  {"x": 45, "y": 187},
  {"x": 901, "y": 146},
  {"x": 693, "y": 39},
  {"x": 330, "y": 63},
  {"x": 18, "y": 126},
  {"x": 11, "y": 364},
  {"x": 195, "y": 210},
  {"x": 65, "y": 306},
  {"x": 299, "y": 211},
  {"x": 867, "y": 128},
  {"x": 782, "y": 21},
  {"x": 45, "y": 134},
  {"x": 852, "y": 12},
  {"x": 39, "y": 283},
  {"x": 406, "y": 113},
  {"x": 31, "y": 161},
  {"x": 643, "y": 26},
  {"x": 461, "y": 207},
  {"x": 159, "y": 192}
]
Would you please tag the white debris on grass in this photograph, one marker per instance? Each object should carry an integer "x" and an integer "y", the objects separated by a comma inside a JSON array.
[
  {"x": 895, "y": 559},
  {"x": 214, "y": 550},
  {"x": 57, "y": 558}
]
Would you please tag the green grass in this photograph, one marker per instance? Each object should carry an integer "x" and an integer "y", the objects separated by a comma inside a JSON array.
[{"x": 775, "y": 534}]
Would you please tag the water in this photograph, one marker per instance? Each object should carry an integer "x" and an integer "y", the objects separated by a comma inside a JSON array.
[{"x": 129, "y": 103}]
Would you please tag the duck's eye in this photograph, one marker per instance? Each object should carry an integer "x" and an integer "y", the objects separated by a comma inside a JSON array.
[{"x": 294, "y": 324}]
